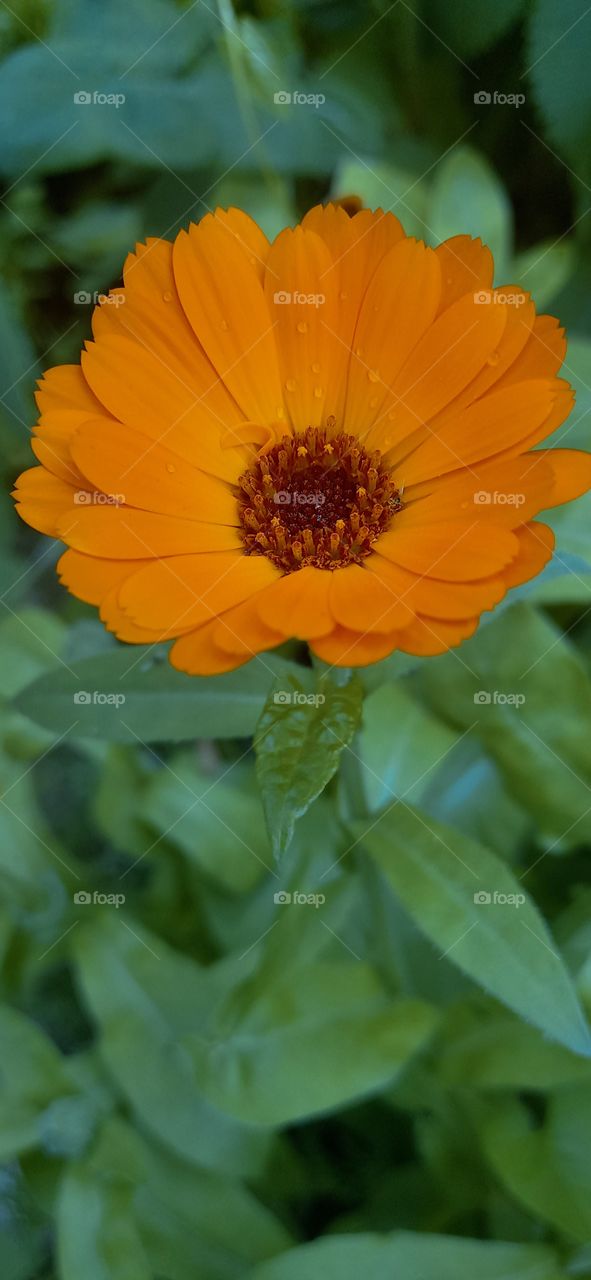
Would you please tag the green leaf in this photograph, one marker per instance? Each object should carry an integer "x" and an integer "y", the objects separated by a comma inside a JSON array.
[
  {"x": 469, "y": 29},
  {"x": 546, "y": 1168},
  {"x": 218, "y": 825},
  {"x": 299, "y": 740},
  {"x": 97, "y": 1235},
  {"x": 557, "y": 62},
  {"x": 544, "y": 269},
  {"x": 400, "y": 744},
  {"x": 505, "y": 946},
  {"x": 307, "y": 1044},
  {"x": 144, "y": 997},
  {"x": 383, "y": 185},
  {"x": 492, "y": 1049},
  {"x": 406, "y": 1255},
  {"x": 524, "y": 688},
  {"x": 468, "y": 198},
  {"x": 37, "y": 1076},
  {"x": 159, "y": 703}
]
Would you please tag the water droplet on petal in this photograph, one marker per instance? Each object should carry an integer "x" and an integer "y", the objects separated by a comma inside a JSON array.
[
  {"x": 224, "y": 325},
  {"x": 290, "y": 384},
  {"x": 280, "y": 411},
  {"x": 343, "y": 296},
  {"x": 167, "y": 296},
  {"x": 373, "y": 375},
  {"x": 318, "y": 393},
  {"x": 315, "y": 367},
  {"x": 374, "y": 402},
  {"x": 493, "y": 358},
  {"x": 170, "y": 467},
  {"x": 302, "y": 326}
]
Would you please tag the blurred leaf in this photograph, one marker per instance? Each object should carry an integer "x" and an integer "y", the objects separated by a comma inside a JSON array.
[
  {"x": 557, "y": 62},
  {"x": 34, "y": 1074},
  {"x": 546, "y": 1168},
  {"x": 544, "y": 269},
  {"x": 299, "y": 740},
  {"x": 439, "y": 876},
  {"x": 160, "y": 703},
  {"x": 470, "y": 29},
  {"x": 97, "y": 1234},
  {"x": 307, "y": 1044},
  {"x": 384, "y": 185},
  {"x": 400, "y": 744},
  {"x": 535, "y": 741},
  {"x": 467, "y": 198},
  {"x": 218, "y": 825},
  {"x": 430, "y": 1256},
  {"x": 490, "y": 1049},
  {"x": 144, "y": 997}
]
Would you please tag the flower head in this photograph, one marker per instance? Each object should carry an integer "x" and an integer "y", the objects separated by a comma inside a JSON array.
[{"x": 331, "y": 437}]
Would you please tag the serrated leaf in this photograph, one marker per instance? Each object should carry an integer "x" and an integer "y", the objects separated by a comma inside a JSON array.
[
  {"x": 299, "y": 740},
  {"x": 503, "y": 944}
]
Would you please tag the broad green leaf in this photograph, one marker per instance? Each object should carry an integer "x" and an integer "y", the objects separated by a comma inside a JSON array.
[
  {"x": 144, "y": 997},
  {"x": 557, "y": 64},
  {"x": 30, "y": 640},
  {"x": 544, "y": 269},
  {"x": 448, "y": 883},
  {"x": 467, "y": 198},
  {"x": 307, "y": 1044},
  {"x": 98, "y": 1237},
  {"x": 299, "y": 740},
  {"x": 216, "y": 822},
  {"x": 132, "y": 693},
  {"x": 490, "y": 1049},
  {"x": 400, "y": 745},
  {"x": 412, "y": 1257},
  {"x": 525, "y": 690},
  {"x": 34, "y": 1074},
  {"x": 546, "y": 1168}
]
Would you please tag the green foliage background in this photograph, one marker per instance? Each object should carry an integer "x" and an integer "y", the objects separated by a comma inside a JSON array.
[{"x": 392, "y": 1078}]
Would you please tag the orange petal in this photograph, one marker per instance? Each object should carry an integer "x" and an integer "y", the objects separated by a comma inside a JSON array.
[
  {"x": 428, "y": 636},
  {"x": 571, "y": 470},
  {"x": 222, "y": 297},
  {"x": 126, "y": 533},
  {"x": 437, "y": 598},
  {"x": 466, "y": 267},
  {"x": 42, "y": 498},
  {"x": 342, "y": 648},
  {"x": 361, "y": 601},
  {"x": 193, "y": 589},
  {"x": 457, "y": 551},
  {"x": 121, "y": 460},
  {"x": 536, "y": 544},
  {"x": 298, "y": 604},
  {"x": 91, "y": 578}
]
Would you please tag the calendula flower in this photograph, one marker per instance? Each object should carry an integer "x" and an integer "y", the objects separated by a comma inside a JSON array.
[{"x": 330, "y": 437}]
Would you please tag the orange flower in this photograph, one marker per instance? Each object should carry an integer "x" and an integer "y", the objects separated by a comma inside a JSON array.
[{"x": 327, "y": 437}]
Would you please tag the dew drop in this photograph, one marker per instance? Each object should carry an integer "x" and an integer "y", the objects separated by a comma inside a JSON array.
[
  {"x": 290, "y": 384},
  {"x": 280, "y": 411},
  {"x": 359, "y": 352},
  {"x": 224, "y": 325},
  {"x": 170, "y": 467},
  {"x": 318, "y": 393},
  {"x": 373, "y": 404},
  {"x": 493, "y": 358},
  {"x": 315, "y": 367},
  {"x": 302, "y": 326},
  {"x": 343, "y": 296},
  {"x": 373, "y": 375},
  {"x": 167, "y": 296}
]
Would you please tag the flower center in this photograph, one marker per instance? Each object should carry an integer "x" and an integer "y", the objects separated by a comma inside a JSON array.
[{"x": 316, "y": 499}]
